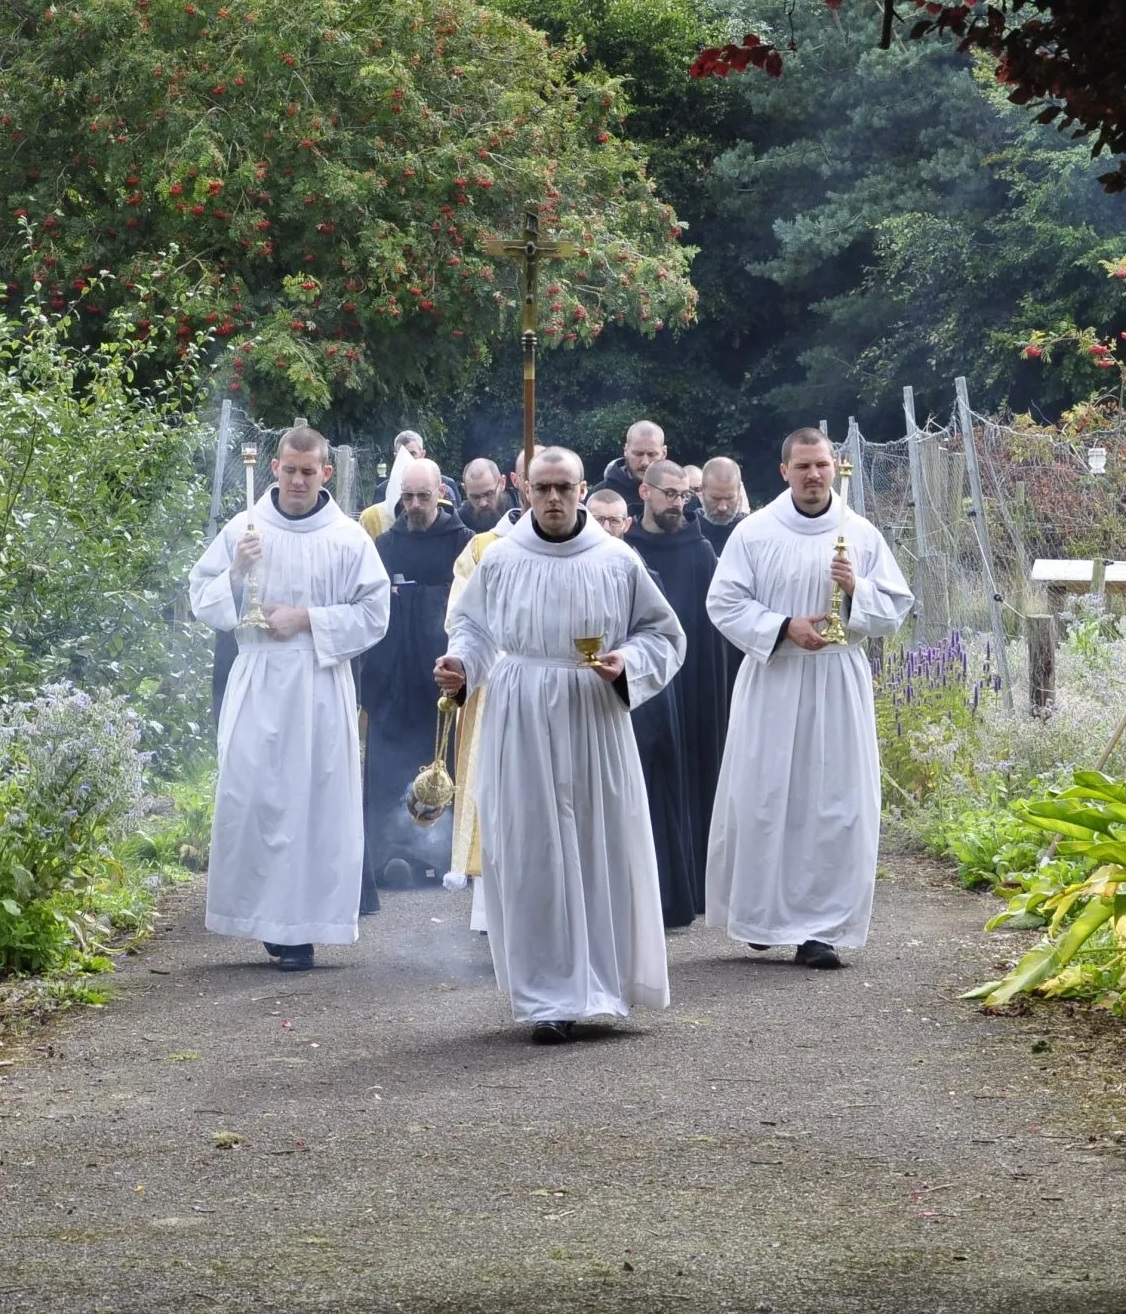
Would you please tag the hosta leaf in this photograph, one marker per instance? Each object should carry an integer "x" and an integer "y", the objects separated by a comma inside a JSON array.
[
  {"x": 1101, "y": 817},
  {"x": 1046, "y": 959},
  {"x": 1099, "y": 785},
  {"x": 1104, "y": 851},
  {"x": 1118, "y": 924},
  {"x": 1036, "y": 966},
  {"x": 1068, "y": 981}
]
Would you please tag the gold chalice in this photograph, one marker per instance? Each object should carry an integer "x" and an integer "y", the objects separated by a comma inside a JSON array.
[{"x": 590, "y": 648}]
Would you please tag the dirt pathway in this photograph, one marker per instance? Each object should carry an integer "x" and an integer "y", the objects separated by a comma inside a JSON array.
[{"x": 375, "y": 1135}]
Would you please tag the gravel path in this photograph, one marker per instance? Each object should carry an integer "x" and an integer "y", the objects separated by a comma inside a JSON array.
[{"x": 376, "y": 1135}]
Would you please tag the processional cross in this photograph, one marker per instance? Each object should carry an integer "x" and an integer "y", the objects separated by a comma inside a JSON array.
[{"x": 530, "y": 250}]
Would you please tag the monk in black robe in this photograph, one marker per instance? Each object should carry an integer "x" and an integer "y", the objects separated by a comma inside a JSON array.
[
  {"x": 670, "y": 543},
  {"x": 397, "y": 687},
  {"x": 660, "y": 745},
  {"x": 721, "y": 491}
]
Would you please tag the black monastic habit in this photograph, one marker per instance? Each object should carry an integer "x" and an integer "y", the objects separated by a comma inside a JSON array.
[
  {"x": 717, "y": 536},
  {"x": 685, "y": 562},
  {"x": 660, "y": 745},
  {"x": 398, "y": 693}
]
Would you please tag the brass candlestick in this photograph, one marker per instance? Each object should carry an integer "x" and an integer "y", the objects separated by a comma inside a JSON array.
[
  {"x": 254, "y": 617},
  {"x": 590, "y": 648},
  {"x": 835, "y": 632},
  {"x": 432, "y": 790}
]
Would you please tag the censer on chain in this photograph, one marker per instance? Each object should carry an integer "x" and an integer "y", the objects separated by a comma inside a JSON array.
[{"x": 432, "y": 790}]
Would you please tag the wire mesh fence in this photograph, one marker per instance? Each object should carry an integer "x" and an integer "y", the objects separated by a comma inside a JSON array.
[
  {"x": 1042, "y": 497},
  {"x": 993, "y": 521},
  {"x": 355, "y": 472}
]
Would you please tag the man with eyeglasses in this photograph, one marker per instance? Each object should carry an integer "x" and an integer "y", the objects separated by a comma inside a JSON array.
[
  {"x": 570, "y": 874},
  {"x": 486, "y": 498},
  {"x": 397, "y": 689},
  {"x": 669, "y": 541},
  {"x": 645, "y": 443},
  {"x": 664, "y": 764},
  {"x": 796, "y": 824},
  {"x": 411, "y": 441}
]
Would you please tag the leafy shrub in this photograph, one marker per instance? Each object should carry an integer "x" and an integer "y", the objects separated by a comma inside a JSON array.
[
  {"x": 1084, "y": 950},
  {"x": 993, "y": 847},
  {"x": 101, "y": 513}
]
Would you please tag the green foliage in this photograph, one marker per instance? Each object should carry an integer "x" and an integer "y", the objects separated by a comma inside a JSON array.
[
  {"x": 101, "y": 511},
  {"x": 926, "y": 702},
  {"x": 71, "y": 774},
  {"x": 1077, "y": 956},
  {"x": 74, "y": 873},
  {"x": 870, "y": 219},
  {"x": 182, "y": 837},
  {"x": 329, "y": 173},
  {"x": 992, "y": 848}
]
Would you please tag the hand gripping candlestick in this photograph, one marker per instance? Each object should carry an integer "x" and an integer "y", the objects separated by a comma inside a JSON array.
[
  {"x": 254, "y": 617},
  {"x": 834, "y": 632}
]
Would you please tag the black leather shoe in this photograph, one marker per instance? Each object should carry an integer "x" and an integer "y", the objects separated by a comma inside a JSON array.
[
  {"x": 551, "y": 1033},
  {"x": 815, "y": 953},
  {"x": 274, "y": 950},
  {"x": 295, "y": 957}
]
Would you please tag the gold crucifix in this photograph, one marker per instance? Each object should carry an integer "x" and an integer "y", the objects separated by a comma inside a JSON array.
[{"x": 530, "y": 250}]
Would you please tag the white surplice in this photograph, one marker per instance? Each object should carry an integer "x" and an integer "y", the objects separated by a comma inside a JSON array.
[
  {"x": 465, "y": 861},
  {"x": 796, "y": 824},
  {"x": 287, "y": 841},
  {"x": 569, "y": 869}
]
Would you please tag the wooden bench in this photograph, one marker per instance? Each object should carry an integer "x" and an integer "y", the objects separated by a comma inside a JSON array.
[{"x": 1063, "y": 576}]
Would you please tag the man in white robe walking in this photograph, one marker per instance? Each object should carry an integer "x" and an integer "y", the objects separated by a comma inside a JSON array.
[
  {"x": 287, "y": 838},
  {"x": 570, "y": 874},
  {"x": 796, "y": 823}
]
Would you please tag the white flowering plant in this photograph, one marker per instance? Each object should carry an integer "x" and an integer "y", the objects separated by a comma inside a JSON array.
[{"x": 71, "y": 777}]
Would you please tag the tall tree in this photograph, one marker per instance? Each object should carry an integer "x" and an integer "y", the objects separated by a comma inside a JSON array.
[
  {"x": 326, "y": 174},
  {"x": 1065, "y": 57}
]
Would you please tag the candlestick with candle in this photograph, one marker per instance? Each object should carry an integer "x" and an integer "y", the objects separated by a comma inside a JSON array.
[
  {"x": 835, "y": 632},
  {"x": 254, "y": 617}
]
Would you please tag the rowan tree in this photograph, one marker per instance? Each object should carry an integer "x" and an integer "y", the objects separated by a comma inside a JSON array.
[{"x": 324, "y": 176}]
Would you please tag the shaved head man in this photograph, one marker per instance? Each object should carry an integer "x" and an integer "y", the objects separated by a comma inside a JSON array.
[
  {"x": 609, "y": 509},
  {"x": 721, "y": 490},
  {"x": 422, "y": 486},
  {"x": 418, "y": 551},
  {"x": 485, "y": 498},
  {"x": 570, "y": 879},
  {"x": 645, "y": 443}
]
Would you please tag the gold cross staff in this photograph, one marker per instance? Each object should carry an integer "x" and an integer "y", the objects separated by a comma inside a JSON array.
[{"x": 530, "y": 249}]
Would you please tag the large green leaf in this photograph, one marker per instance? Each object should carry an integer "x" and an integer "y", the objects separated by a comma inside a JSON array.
[
  {"x": 1054, "y": 816},
  {"x": 1045, "y": 960},
  {"x": 1077, "y": 820},
  {"x": 1097, "y": 784},
  {"x": 1113, "y": 851}
]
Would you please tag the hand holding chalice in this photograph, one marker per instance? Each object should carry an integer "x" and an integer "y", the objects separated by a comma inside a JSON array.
[{"x": 590, "y": 648}]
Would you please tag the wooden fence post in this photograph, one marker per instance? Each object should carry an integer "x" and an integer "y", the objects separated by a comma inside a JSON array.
[{"x": 1041, "y": 664}]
